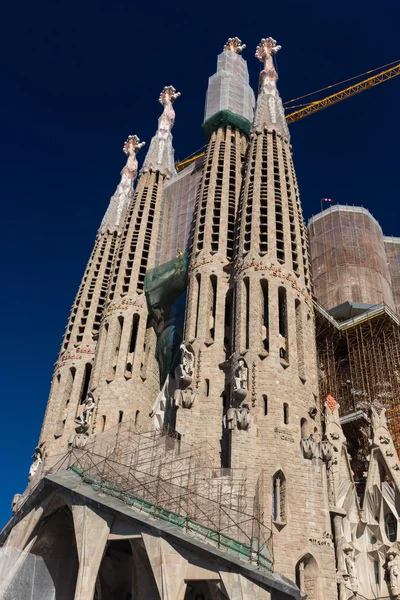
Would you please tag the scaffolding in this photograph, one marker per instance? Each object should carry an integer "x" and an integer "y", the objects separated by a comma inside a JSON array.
[
  {"x": 348, "y": 258},
  {"x": 166, "y": 478},
  {"x": 359, "y": 363},
  {"x": 392, "y": 247}
]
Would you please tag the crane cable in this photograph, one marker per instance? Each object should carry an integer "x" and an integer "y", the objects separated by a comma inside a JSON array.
[{"x": 328, "y": 87}]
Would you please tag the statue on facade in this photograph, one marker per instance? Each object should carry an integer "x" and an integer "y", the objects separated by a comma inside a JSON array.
[
  {"x": 37, "y": 461},
  {"x": 243, "y": 417},
  {"x": 351, "y": 569},
  {"x": 240, "y": 379},
  {"x": 393, "y": 568},
  {"x": 184, "y": 398},
  {"x": 230, "y": 418},
  {"x": 160, "y": 156},
  {"x": 88, "y": 408},
  {"x": 186, "y": 367}
]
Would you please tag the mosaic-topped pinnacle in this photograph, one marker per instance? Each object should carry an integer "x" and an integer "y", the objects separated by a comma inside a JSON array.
[
  {"x": 234, "y": 45},
  {"x": 266, "y": 49},
  {"x": 132, "y": 144},
  {"x": 168, "y": 94}
]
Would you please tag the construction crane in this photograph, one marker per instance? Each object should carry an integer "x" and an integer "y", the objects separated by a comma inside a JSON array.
[{"x": 303, "y": 110}]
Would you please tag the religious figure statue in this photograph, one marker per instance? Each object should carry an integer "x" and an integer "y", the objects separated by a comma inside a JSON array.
[
  {"x": 88, "y": 408},
  {"x": 78, "y": 439},
  {"x": 160, "y": 156},
  {"x": 230, "y": 418},
  {"x": 393, "y": 567},
  {"x": 186, "y": 368},
  {"x": 37, "y": 461},
  {"x": 117, "y": 208},
  {"x": 184, "y": 398},
  {"x": 243, "y": 417},
  {"x": 241, "y": 376},
  {"x": 351, "y": 569}
]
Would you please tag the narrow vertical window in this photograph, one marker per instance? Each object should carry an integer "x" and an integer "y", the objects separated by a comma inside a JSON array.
[
  {"x": 198, "y": 285},
  {"x": 85, "y": 383},
  {"x": 212, "y": 307},
  {"x": 146, "y": 349},
  {"x": 137, "y": 417},
  {"x": 286, "y": 414},
  {"x": 279, "y": 498},
  {"x": 228, "y": 323},
  {"x": 207, "y": 387},
  {"x": 120, "y": 416},
  {"x": 247, "y": 312},
  {"x": 98, "y": 363},
  {"x": 118, "y": 334},
  {"x": 66, "y": 397},
  {"x": 264, "y": 316},
  {"x": 265, "y": 399},
  {"x": 132, "y": 345},
  {"x": 103, "y": 423},
  {"x": 304, "y": 429},
  {"x": 283, "y": 325},
  {"x": 299, "y": 338}
]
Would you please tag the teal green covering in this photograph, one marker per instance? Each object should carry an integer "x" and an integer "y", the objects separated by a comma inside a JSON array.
[
  {"x": 165, "y": 288},
  {"x": 226, "y": 118}
]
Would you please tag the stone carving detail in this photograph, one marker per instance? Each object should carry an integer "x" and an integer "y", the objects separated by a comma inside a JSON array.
[
  {"x": 85, "y": 417},
  {"x": 37, "y": 461},
  {"x": 310, "y": 447},
  {"x": 184, "y": 398},
  {"x": 238, "y": 418},
  {"x": 234, "y": 45},
  {"x": 351, "y": 569},
  {"x": 393, "y": 569},
  {"x": 160, "y": 156},
  {"x": 240, "y": 379},
  {"x": 315, "y": 449},
  {"x": 116, "y": 211},
  {"x": 269, "y": 113},
  {"x": 186, "y": 367}
]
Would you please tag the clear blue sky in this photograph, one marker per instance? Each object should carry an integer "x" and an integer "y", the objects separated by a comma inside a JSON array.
[{"x": 78, "y": 77}]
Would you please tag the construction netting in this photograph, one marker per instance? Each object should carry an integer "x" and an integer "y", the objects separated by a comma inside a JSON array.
[
  {"x": 179, "y": 196},
  {"x": 348, "y": 258},
  {"x": 165, "y": 288},
  {"x": 229, "y": 89},
  {"x": 25, "y": 576},
  {"x": 392, "y": 247},
  {"x": 225, "y": 118}
]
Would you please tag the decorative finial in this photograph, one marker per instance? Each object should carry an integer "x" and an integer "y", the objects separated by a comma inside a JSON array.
[
  {"x": 266, "y": 49},
  {"x": 132, "y": 144},
  {"x": 169, "y": 93},
  {"x": 234, "y": 45}
]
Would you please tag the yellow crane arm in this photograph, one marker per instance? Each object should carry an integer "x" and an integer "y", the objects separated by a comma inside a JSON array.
[
  {"x": 352, "y": 90},
  {"x": 318, "y": 105}
]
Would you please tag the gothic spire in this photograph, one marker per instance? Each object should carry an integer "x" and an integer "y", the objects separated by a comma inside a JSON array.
[
  {"x": 269, "y": 112},
  {"x": 116, "y": 211},
  {"x": 160, "y": 156}
]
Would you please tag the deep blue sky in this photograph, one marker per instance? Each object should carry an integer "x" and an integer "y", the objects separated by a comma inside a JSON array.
[{"x": 78, "y": 77}]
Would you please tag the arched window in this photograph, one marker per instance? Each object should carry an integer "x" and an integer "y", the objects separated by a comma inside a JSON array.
[
  {"x": 279, "y": 498},
  {"x": 286, "y": 413},
  {"x": 207, "y": 387},
  {"x": 121, "y": 416},
  {"x": 307, "y": 576},
  {"x": 264, "y": 316},
  {"x": 103, "y": 422},
  {"x": 391, "y": 527},
  {"x": 283, "y": 325},
  {"x": 305, "y": 429},
  {"x": 246, "y": 283},
  {"x": 265, "y": 398},
  {"x": 137, "y": 417}
]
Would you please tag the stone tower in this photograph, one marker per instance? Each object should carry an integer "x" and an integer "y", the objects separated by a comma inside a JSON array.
[
  {"x": 274, "y": 372},
  {"x": 73, "y": 370},
  {"x": 208, "y": 332}
]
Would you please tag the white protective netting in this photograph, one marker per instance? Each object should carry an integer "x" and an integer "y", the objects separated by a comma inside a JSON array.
[
  {"x": 229, "y": 89},
  {"x": 24, "y": 576},
  {"x": 179, "y": 196}
]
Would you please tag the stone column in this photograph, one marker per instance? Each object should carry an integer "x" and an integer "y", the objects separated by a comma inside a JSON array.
[
  {"x": 92, "y": 528},
  {"x": 238, "y": 587},
  {"x": 169, "y": 567}
]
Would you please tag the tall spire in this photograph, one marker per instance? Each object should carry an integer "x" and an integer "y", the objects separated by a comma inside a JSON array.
[
  {"x": 116, "y": 211},
  {"x": 269, "y": 113},
  {"x": 160, "y": 156}
]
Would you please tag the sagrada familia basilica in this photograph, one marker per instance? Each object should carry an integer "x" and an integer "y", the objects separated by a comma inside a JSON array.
[{"x": 186, "y": 452}]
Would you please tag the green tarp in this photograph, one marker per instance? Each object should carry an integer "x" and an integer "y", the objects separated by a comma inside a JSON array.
[{"x": 225, "y": 118}]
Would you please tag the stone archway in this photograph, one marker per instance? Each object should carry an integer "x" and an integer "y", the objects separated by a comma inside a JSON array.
[{"x": 307, "y": 576}]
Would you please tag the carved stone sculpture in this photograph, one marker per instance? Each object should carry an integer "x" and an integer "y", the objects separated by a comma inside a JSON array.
[
  {"x": 88, "y": 408},
  {"x": 186, "y": 368},
  {"x": 234, "y": 45},
  {"x": 393, "y": 568},
  {"x": 37, "y": 461},
  {"x": 230, "y": 418},
  {"x": 240, "y": 379},
  {"x": 351, "y": 569},
  {"x": 79, "y": 439},
  {"x": 243, "y": 417},
  {"x": 184, "y": 398}
]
